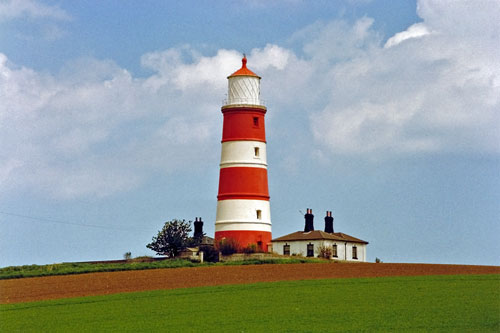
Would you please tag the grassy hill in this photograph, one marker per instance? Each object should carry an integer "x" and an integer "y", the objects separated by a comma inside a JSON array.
[
  {"x": 15, "y": 272},
  {"x": 452, "y": 303}
]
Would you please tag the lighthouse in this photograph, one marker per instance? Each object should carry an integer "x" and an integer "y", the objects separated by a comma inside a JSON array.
[{"x": 243, "y": 209}]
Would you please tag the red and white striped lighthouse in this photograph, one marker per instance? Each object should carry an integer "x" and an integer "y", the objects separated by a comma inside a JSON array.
[{"x": 243, "y": 210}]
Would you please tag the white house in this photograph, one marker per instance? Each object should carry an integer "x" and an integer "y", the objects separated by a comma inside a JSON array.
[{"x": 309, "y": 242}]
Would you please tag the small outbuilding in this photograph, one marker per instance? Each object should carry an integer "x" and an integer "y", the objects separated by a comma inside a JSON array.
[
  {"x": 193, "y": 253},
  {"x": 312, "y": 243}
]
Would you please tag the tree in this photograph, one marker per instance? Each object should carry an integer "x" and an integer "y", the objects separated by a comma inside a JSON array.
[{"x": 171, "y": 239}]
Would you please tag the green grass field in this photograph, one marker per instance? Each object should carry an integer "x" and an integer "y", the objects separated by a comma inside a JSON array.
[
  {"x": 459, "y": 303},
  {"x": 16, "y": 272}
]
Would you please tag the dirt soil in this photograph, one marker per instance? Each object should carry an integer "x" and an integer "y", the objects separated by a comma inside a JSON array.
[{"x": 54, "y": 287}]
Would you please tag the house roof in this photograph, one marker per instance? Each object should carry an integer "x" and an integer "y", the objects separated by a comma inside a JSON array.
[
  {"x": 207, "y": 240},
  {"x": 190, "y": 249},
  {"x": 318, "y": 235}
]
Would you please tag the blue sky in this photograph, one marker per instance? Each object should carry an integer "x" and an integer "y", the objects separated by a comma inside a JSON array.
[{"x": 385, "y": 112}]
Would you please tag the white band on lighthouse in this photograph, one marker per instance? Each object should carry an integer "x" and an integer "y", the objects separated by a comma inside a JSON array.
[
  {"x": 243, "y": 215},
  {"x": 243, "y": 153}
]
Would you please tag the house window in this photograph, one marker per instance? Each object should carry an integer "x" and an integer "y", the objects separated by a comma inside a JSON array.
[
  {"x": 259, "y": 214},
  {"x": 334, "y": 251},
  {"x": 310, "y": 250},
  {"x": 256, "y": 151},
  {"x": 286, "y": 250},
  {"x": 256, "y": 121},
  {"x": 354, "y": 252}
]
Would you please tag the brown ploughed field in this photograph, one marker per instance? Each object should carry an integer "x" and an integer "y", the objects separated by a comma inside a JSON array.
[{"x": 53, "y": 287}]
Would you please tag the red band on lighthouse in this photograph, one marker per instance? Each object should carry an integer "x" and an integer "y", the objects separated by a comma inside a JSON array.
[
  {"x": 243, "y": 183},
  {"x": 261, "y": 239},
  {"x": 242, "y": 123}
]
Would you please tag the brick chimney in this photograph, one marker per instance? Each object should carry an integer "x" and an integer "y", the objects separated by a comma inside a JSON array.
[
  {"x": 309, "y": 220},
  {"x": 329, "y": 222},
  {"x": 198, "y": 228}
]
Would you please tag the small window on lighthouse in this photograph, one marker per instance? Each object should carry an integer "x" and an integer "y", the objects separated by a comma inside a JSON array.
[
  {"x": 256, "y": 121},
  {"x": 259, "y": 214},
  {"x": 256, "y": 151}
]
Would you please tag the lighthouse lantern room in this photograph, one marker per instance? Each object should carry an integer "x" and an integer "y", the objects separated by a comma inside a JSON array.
[{"x": 243, "y": 210}]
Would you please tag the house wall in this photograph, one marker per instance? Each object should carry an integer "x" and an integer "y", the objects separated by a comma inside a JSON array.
[{"x": 344, "y": 249}]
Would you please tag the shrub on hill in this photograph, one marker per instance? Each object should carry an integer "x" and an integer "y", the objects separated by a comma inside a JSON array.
[
  {"x": 228, "y": 246},
  {"x": 210, "y": 253},
  {"x": 250, "y": 248},
  {"x": 325, "y": 252}
]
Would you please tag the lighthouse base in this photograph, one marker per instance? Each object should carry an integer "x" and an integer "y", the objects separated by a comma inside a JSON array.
[{"x": 246, "y": 237}]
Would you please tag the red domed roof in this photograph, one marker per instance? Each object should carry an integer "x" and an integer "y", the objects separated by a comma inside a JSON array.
[{"x": 243, "y": 71}]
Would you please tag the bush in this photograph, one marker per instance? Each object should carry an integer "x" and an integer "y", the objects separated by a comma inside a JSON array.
[
  {"x": 228, "y": 246},
  {"x": 325, "y": 252},
  {"x": 210, "y": 253},
  {"x": 377, "y": 260},
  {"x": 250, "y": 248},
  {"x": 127, "y": 255}
]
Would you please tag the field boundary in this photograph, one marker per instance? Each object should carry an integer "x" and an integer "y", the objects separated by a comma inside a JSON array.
[{"x": 63, "y": 286}]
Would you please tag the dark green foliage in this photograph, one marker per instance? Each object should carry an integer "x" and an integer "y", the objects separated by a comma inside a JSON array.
[
  {"x": 453, "y": 303},
  {"x": 210, "y": 253},
  {"x": 171, "y": 239},
  {"x": 228, "y": 246},
  {"x": 127, "y": 255}
]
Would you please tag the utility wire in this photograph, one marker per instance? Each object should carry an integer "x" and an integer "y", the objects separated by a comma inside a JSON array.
[{"x": 51, "y": 220}]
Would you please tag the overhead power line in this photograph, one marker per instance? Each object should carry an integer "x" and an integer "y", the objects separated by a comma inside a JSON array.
[{"x": 51, "y": 220}]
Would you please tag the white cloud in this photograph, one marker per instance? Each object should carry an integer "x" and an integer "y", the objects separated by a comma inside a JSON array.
[
  {"x": 270, "y": 56},
  {"x": 11, "y": 9},
  {"x": 415, "y": 31},
  {"x": 184, "y": 69},
  {"x": 337, "y": 40},
  {"x": 438, "y": 93},
  {"x": 94, "y": 129}
]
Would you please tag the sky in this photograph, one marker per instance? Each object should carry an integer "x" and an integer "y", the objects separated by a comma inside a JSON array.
[{"x": 385, "y": 112}]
